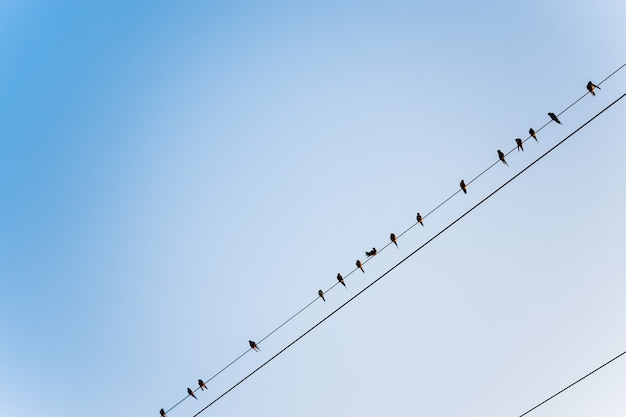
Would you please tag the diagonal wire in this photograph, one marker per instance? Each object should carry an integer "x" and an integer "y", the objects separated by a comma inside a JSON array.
[
  {"x": 409, "y": 256},
  {"x": 383, "y": 248}
]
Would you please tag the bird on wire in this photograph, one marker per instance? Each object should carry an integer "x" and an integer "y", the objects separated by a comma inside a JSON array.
[
  {"x": 520, "y": 144},
  {"x": 419, "y": 218},
  {"x": 392, "y": 237},
  {"x": 553, "y": 117},
  {"x": 371, "y": 253},
  {"x": 340, "y": 279},
  {"x": 533, "y": 134},
  {"x": 360, "y": 265},
  {"x": 253, "y": 345},
  {"x": 202, "y": 385},
  {"x": 591, "y": 86},
  {"x": 190, "y": 392},
  {"x": 501, "y": 156},
  {"x": 321, "y": 294},
  {"x": 463, "y": 186}
]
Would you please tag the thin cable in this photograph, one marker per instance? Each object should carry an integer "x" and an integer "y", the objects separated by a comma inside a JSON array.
[
  {"x": 573, "y": 383},
  {"x": 397, "y": 237},
  {"x": 408, "y": 256}
]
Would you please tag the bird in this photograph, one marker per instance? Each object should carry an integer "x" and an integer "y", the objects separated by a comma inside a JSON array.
[
  {"x": 533, "y": 134},
  {"x": 162, "y": 412},
  {"x": 553, "y": 117},
  {"x": 371, "y": 253},
  {"x": 520, "y": 144},
  {"x": 463, "y": 186},
  {"x": 190, "y": 392},
  {"x": 321, "y": 294},
  {"x": 419, "y": 219},
  {"x": 253, "y": 345},
  {"x": 393, "y": 239},
  {"x": 202, "y": 385},
  {"x": 591, "y": 86},
  {"x": 360, "y": 265},
  {"x": 501, "y": 156},
  {"x": 340, "y": 279}
]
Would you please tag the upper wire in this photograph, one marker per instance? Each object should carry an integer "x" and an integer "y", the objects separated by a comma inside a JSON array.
[{"x": 389, "y": 243}]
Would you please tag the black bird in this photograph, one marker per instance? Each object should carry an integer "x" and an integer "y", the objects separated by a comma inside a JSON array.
[
  {"x": 520, "y": 144},
  {"x": 340, "y": 279},
  {"x": 419, "y": 219},
  {"x": 501, "y": 156},
  {"x": 553, "y": 117},
  {"x": 321, "y": 294},
  {"x": 253, "y": 345},
  {"x": 533, "y": 134},
  {"x": 190, "y": 392},
  {"x": 360, "y": 265},
  {"x": 591, "y": 86},
  {"x": 162, "y": 412},
  {"x": 202, "y": 385},
  {"x": 393, "y": 239},
  {"x": 371, "y": 253},
  {"x": 463, "y": 186}
]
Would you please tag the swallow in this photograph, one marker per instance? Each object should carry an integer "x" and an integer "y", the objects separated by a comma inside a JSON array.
[
  {"x": 340, "y": 279},
  {"x": 419, "y": 219},
  {"x": 321, "y": 294},
  {"x": 359, "y": 265},
  {"x": 371, "y": 253},
  {"x": 553, "y": 117},
  {"x": 190, "y": 392},
  {"x": 463, "y": 186},
  {"x": 533, "y": 134},
  {"x": 202, "y": 385},
  {"x": 253, "y": 345},
  {"x": 162, "y": 412},
  {"x": 591, "y": 86},
  {"x": 501, "y": 156},
  {"x": 520, "y": 144},
  {"x": 393, "y": 239}
]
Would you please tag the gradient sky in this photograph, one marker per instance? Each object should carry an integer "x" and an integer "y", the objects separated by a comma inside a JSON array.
[{"x": 178, "y": 179}]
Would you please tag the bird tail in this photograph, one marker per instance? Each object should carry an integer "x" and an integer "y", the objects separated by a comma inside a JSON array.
[{"x": 395, "y": 243}]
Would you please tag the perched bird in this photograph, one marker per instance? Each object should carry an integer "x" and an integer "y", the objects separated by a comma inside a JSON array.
[
  {"x": 419, "y": 219},
  {"x": 321, "y": 294},
  {"x": 520, "y": 144},
  {"x": 190, "y": 392},
  {"x": 553, "y": 117},
  {"x": 591, "y": 86},
  {"x": 202, "y": 385},
  {"x": 393, "y": 239},
  {"x": 501, "y": 156},
  {"x": 371, "y": 253},
  {"x": 533, "y": 134},
  {"x": 463, "y": 186},
  {"x": 340, "y": 279},
  {"x": 253, "y": 345},
  {"x": 162, "y": 412},
  {"x": 359, "y": 265}
]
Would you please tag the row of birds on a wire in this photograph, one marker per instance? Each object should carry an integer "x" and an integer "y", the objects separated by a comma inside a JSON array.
[{"x": 393, "y": 238}]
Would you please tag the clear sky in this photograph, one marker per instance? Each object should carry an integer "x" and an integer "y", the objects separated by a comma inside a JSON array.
[{"x": 176, "y": 179}]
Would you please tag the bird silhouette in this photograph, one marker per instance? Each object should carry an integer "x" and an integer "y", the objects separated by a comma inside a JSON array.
[
  {"x": 501, "y": 156},
  {"x": 162, "y": 412},
  {"x": 419, "y": 219},
  {"x": 591, "y": 86},
  {"x": 202, "y": 385},
  {"x": 533, "y": 134},
  {"x": 340, "y": 279},
  {"x": 321, "y": 294},
  {"x": 190, "y": 392},
  {"x": 253, "y": 345},
  {"x": 520, "y": 144},
  {"x": 360, "y": 265},
  {"x": 553, "y": 117},
  {"x": 371, "y": 253},
  {"x": 463, "y": 186},
  {"x": 393, "y": 239}
]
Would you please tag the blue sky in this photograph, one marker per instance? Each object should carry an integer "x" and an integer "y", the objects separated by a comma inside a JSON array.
[{"x": 177, "y": 180}]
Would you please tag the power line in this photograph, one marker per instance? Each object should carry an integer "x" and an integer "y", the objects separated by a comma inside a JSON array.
[
  {"x": 572, "y": 384},
  {"x": 389, "y": 243},
  {"x": 409, "y": 256}
]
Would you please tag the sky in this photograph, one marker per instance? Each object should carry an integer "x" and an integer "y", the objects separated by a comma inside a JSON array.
[{"x": 177, "y": 179}]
